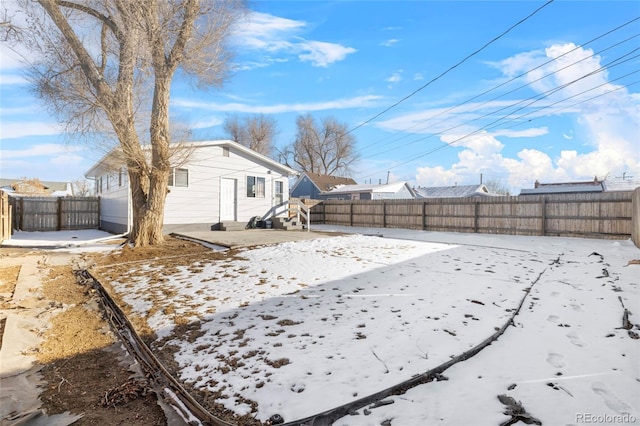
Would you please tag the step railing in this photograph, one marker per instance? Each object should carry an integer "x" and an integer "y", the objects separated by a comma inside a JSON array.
[{"x": 290, "y": 209}]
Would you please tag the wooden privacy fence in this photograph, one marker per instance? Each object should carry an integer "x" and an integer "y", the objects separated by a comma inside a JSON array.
[
  {"x": 603, "y": 215},
  {"x": 55, "y": 213},
  {"x": 5, "y": 217}
]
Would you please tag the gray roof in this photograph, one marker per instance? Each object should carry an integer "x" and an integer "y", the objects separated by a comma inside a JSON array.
[
  {"x": 590, "y": 186},
  {"x": 458, "y": 191},
  {"x": 627, "y": 184},
  {"x": 370, "y": 188},
  {"x": 49, "y": 186}
]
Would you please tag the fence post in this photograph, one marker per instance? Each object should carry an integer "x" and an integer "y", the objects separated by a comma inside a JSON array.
[
  {"x": 384, "y": 214},
  {"x": 21, "y": 218},
  {"x": 424, "y": 216},
  {"x": 543, "y": 216},
  {"x": 476, "y": 209},
  {"x": 351, "y": 213},
  {"x": 59, "y": 215}
]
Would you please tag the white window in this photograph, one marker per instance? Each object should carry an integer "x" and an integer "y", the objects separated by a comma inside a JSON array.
[
  {"x": 179, "y": 178},
  {"x": 255, "y": 187},
  {"x": 279, "y": 192}
]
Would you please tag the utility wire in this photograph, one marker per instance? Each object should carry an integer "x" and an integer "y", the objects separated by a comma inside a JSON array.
[
  {"x": 515, "y": 78},
  {"x": 533, "y": 99},
  {"x": 475, "y": 132},
  {"x": 452, "y": 67}
]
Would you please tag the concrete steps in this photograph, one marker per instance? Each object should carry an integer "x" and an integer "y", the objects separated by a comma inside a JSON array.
[
  {"x": 288, "y": 224},
  {"x": 231, "y": 226}
]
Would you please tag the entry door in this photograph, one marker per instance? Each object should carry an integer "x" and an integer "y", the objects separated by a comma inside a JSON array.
[{"x": 228, "y": 199}]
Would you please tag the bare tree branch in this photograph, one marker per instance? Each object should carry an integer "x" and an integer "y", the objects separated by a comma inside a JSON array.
[{"x": 326, "y": 149}]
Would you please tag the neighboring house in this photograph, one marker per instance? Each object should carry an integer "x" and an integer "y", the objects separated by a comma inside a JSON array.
[
  {"x": 218, "y": 181},
  {"x": 458, "y": 191},
  {"x": 621, "y": 184},
  {"x": 36, "y": 188},
  {"x": 400, "y": 190},
  {"x": 311, "y": 185},
  {"x": 593, "y": 186}
]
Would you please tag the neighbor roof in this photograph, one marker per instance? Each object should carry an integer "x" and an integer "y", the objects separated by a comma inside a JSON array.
[
  {"x": 626, "y": 184},
  {"x": 458, "y": 191},
  {"x": 47, "y": 185},
  {"x": 328, "y": 182},
  {"x": 351, "y": 189}
]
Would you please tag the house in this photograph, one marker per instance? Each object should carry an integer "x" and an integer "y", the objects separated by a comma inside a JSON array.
[
  {"x": 625, "y": 183},
  {"x": 36, "y": 188},
  {"x": 592, "y": 186},
  {"x": 311, "y": 185},
  {"x": 399, "y": 190},
  {"x": 216, "y": 181},
  {"x": 458, "y": 191}
]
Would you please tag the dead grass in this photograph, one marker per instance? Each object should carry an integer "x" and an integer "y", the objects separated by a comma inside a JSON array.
[{"x": 73, "y": 332}]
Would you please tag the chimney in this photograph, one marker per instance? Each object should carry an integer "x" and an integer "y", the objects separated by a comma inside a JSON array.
[{"x": 537, "y": 184}]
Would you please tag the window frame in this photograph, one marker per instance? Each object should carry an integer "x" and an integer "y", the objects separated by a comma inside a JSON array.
[
  {"x": 258, "y": 182},
  {"x": 172, "y": 177}
]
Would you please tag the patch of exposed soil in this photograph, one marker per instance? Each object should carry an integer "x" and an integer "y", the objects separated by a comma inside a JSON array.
[
  {"x": 80, "y": 363},
  {"x": 124, "y": 263}
]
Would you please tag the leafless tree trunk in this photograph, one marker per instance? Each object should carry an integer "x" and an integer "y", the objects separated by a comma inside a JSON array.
[
  {"x": 327, "y": 149},
  {"x": 256, "y": 132},
  {"x": 140, "y": 46}
]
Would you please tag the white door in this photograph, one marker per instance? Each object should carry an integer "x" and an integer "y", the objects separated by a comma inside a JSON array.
[{"x": 228, "y": 199}]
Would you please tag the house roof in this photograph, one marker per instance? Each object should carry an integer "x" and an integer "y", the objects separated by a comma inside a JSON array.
[
  {"x": 458, "y": 191},
  {"x": 36, "y": 186},
  {"x": 352, "y": 189},
  {"x": 564, "y": 188},
  {"x": 324, "y": 182},
  {"x": 626, "y": 184},
  {"x": 112, "y": 156}
]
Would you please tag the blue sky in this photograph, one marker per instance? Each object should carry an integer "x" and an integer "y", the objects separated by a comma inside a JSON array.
[{"x": 541, "y": 102}]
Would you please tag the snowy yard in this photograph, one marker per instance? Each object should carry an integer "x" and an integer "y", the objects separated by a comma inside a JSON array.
[{"x": 298, "y": 328}]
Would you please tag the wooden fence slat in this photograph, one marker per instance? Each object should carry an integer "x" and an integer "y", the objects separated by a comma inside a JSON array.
[
  {"x": 55, "y": 214},
  {"x": 604, "y": 215}
]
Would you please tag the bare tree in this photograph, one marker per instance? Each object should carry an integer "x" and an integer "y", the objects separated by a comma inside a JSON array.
[
  {"x": 327, "y": 149},
  {"x": 497, "y": 186},
  {"x": 98, "y": 60},
  {"x": 256, "y": 132},
  {"x": 82, "y": 188}
]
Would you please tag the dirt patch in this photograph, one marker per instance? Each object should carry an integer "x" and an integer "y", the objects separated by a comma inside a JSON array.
[
  {"x": 125, "y": 264},
  {"x": 80, "y": 362},
  {"x": 8, "y": 279}
]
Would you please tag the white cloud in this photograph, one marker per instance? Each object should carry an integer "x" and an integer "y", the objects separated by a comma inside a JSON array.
[
  {"x": 276, "y": 35},
  {"x": 356, "y": 102},
  {"x": 41, "y": 150},
  {"x": 395, "y": 77},
  {"x": 418, "y": 76},
  {"x": 322, "y": 54},
  {"x": 20, "y": 129},
  {"x": 12, "y": 79},
  {"x": 204, "y": 123},
  {"x": 390, "y": 42},
  {"x": 608, "y": 126}
]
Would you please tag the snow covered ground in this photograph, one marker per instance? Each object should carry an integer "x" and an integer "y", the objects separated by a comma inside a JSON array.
[{"x": 302, "y": 327}]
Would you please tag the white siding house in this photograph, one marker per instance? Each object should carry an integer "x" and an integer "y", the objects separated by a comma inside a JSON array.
[
  {"x": 219, "y": 181},
  {"x": 390, "y": 191}
]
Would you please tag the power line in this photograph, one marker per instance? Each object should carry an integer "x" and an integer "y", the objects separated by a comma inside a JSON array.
[
  {"x": 513, "y": 79},
  {"x": 452, "y": 67},
  {"x": 534, "y": 98},
  {"x": 486, "y": 127}
]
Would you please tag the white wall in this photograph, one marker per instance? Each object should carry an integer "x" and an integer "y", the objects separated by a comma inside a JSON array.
[
  {"x": 114, "y": 203},
  {"x": 199, "y": 203}
]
